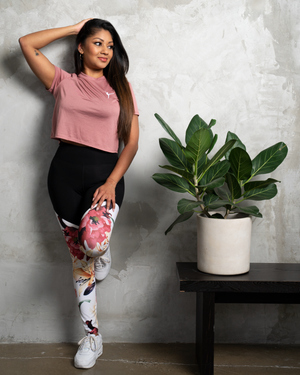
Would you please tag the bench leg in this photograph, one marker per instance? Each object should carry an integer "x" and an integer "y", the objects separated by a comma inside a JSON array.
[{"x": 205, "y": 317}]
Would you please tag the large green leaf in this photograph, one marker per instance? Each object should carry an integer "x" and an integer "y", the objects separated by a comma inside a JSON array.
[
  {"x": 201, "y": 163},
  {"x": 167, "y": 129},
  {"x": 269, "y": 159},
  {"x": 195, "y": 124},
  {"x": 217, "y": 156},
  {"x": 212, "y": 145},
  {"x": 210, "y": 198},
  {"x": 224, "y": 193},
  {"x": 261, "y": 194},
  {"x": 218, "y": 182},
  {"x": 173, "y": 153},
  {"x": 238, "y": 143},
  {"x": 240, "y": 163},
  {"x": 216, "y": 171},
  {"x": 233, "y": 186},
  {"x": 180, "y": 219},
  {"x": 259, "y": 184},
  {"x": 250, "y": 210},
  {"x": 186, "y": 205},
  {"x": 218, "y": 204},
  {"x": 188, "y": 176},
  {"x": 172, "y": 182},
  {"x": 198, "y": 144}
]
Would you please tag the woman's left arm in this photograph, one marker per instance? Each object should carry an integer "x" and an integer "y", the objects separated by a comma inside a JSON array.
[{"x": 107, "y": 191}]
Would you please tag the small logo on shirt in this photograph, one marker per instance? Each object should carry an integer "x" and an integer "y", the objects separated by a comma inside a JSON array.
[{"x": 108, "y": 94}]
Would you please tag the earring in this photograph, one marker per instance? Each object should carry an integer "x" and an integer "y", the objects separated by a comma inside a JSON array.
[{"x": 81, "y": 56}]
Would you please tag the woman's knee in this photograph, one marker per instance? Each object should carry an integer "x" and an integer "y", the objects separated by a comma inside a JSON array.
[{"x": 95, "y": 230}]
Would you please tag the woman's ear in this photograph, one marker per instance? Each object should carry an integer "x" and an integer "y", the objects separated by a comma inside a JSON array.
[{"x": 80, "y": 50}]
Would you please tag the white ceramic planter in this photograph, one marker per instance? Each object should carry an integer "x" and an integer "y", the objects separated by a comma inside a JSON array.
[{"x": 223, "y": 246}]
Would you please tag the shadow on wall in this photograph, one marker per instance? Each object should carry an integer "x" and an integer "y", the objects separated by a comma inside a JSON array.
[
  {"x": 136, "y": 221},
  {"x": 54, "y": 254}
]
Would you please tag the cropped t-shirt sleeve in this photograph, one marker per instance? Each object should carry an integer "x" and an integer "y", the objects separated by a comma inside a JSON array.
[
  {"x": 59, "y": 76},
  {"x": 135, "y": 107}
]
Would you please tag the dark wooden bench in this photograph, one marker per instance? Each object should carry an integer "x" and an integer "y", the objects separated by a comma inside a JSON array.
[{"x": 277, "y": 283}]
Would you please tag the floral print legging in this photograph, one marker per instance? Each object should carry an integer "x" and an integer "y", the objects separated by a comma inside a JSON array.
[
  {"x": 75, "y": 173},
  {"x": 85, "y": 242}
]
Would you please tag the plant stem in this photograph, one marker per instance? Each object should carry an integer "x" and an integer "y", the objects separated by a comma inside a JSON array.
[
  {"x": 196, "y": 188},
  {"x": 198, "y": 197},
  {"x": 205, "y": 211},
  {"x": 227, "y": 213}
]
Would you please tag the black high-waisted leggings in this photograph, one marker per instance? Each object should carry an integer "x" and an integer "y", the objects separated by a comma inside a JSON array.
[{"x": 75, "y": 173}]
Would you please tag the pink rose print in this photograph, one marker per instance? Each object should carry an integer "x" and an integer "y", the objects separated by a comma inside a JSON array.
[
  {"x": 94, "y": 227},
  {"x": 93, "y": 329},
  {"x": 71, "y": 237}
]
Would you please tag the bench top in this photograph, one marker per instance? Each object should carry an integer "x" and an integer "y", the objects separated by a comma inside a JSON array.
[{"x": 262, "y": 278}]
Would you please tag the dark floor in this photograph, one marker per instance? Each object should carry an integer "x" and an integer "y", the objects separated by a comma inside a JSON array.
[{"x": 149, "y": 359}]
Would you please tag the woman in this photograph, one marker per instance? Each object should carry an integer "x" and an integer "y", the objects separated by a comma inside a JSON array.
[{"x": 94, "y": 108}]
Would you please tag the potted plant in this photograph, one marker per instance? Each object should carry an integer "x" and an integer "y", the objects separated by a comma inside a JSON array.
[{"x": 219, "y": 186}]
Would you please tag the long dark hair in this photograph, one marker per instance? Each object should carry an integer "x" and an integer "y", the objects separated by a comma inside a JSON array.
[{"x": 114, "y": 73}]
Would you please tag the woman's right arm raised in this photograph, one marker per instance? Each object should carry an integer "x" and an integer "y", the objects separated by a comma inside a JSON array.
[{"x": 31, "y": 44}]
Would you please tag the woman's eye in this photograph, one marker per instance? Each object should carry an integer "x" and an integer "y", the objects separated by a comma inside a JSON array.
[{"x": 98, "y": 44}]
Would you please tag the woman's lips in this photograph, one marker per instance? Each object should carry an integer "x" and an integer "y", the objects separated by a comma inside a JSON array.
[{"x": 104, "y": 59}]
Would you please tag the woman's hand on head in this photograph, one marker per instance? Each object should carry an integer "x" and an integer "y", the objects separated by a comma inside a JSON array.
[
  {"x": 78, "y": 26},
  {"x": 105, "y": 192},
  {"x": 32, "y": 43}
]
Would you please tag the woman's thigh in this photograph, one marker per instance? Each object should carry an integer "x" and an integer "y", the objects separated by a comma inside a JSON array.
[
  {"x": 94, "y": 178},
  {"x": 75, "y": 174},
  {"x": 64, "y": 190}
]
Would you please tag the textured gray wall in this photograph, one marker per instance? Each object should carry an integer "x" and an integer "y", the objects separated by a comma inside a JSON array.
[{"x": 235, "y": 61}]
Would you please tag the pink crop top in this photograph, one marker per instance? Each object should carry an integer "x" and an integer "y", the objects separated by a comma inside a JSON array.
[{"x": 86, "y": 110}]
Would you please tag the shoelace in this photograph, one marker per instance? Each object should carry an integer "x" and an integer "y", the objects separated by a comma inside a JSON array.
[
  {"x": 102, "y": 261},
  {"x": 90, "y": 340}
]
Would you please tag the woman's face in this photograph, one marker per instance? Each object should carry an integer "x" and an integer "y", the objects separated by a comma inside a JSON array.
[{"x": 97, "y": 52}]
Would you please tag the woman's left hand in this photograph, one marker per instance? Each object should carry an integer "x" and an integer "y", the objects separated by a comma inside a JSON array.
[
  {"x": 106, "y": 193},
  {"x": 80, "y": 24}
]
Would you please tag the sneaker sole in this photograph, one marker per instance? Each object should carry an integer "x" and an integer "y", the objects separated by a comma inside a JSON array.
[{"x": 91, "y": 364}]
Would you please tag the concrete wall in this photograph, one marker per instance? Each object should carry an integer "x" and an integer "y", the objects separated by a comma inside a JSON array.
[{"x": 235, "y": 61}]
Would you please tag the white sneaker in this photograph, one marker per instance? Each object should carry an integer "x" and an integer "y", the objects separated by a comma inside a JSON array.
[
  {"x": 89, "y": 350},
  {"x": 102, "y": 265}
]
